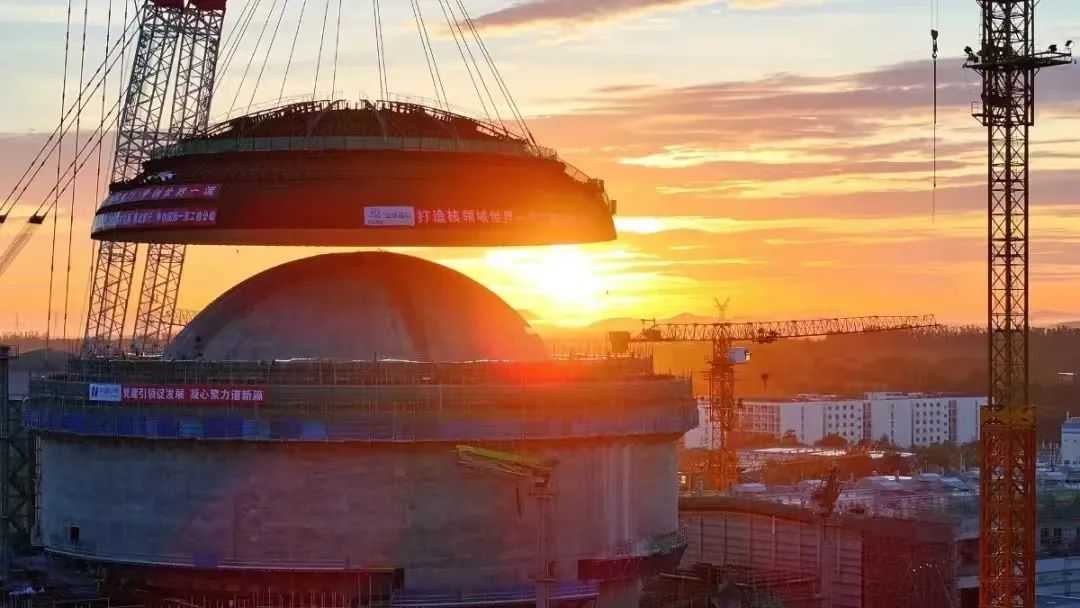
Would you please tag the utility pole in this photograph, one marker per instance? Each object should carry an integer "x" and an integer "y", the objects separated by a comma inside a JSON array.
[{"x": 1008, "y": 61}]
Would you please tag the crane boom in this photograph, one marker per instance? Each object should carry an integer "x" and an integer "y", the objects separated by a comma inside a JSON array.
[
  {"x": 721, "y": 467},
  {"x": 767, "y": 331}
]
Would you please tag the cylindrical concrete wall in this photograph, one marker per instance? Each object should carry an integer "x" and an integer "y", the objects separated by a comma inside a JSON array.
[{"x": 334, "y": 506}]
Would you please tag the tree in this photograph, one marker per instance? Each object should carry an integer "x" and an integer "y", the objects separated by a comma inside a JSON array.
[
  {"x": 790, "y": 439},
  {"x": 832, "y": 440}
]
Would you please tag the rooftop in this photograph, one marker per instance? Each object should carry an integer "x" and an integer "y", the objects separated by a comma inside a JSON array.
[{"x": 875, "y": 396}]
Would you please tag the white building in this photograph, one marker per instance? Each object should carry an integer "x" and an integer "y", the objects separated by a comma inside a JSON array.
[
  {"x": 700, "y": 436},
  {"x": 1070, "y": 441},
  {"x": 907, "y": 419}
]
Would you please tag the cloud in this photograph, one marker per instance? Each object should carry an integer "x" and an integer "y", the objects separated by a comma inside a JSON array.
[
  {"x": 827, "y": 142},
  {"x": 571, "y": 11},
  {"x": 533, "y": 12}
]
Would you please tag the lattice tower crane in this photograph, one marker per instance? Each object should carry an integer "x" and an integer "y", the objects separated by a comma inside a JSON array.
[
  {"x": 539, "y": 471},
  {"x": 175, "y": 59},
  {"x": 1007, "y": 60},
  {"x": 722, "y": 463}
]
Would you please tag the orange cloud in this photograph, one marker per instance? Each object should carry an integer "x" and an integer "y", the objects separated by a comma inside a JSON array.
[{"x": 534, "y": 12}]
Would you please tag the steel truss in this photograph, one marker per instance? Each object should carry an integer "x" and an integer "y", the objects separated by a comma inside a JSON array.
[
  {"x": 767, "y": 331},
  {"x": 176, "y": 56},
  {"x": 17, "y": 458},
  {"x": 1008, "y": 62}
]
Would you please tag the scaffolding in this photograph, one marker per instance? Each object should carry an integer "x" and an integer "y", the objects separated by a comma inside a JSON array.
[
  {"x": 379, "y": 372},
  {"x": 710, "y": 586},
  {"x": 317, "y": 400},
  {"x": 853, "y": 559},
  {"x": 17, "y": 462}
]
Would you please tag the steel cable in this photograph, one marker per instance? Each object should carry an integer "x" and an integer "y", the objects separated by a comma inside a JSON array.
[
  {"x": 59, "y": 163},
  {"x": 266, "y": 57},
  {"x": 455, "y": 31},
  {"x": 429, "y": 54},
  {"x": 318, "y": 56},
  {"x": 292, "y": 50},
  {"x": 74, "y": 188},
  {"x": 337, "y": 40},
  {"x": 61, "y": 130},
  {"x": 251, "y": 58},
  {"x": 496, "y": 73}
]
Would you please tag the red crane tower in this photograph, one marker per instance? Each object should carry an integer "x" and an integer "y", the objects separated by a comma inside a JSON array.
[
  {"x": 175, "y": 59},
  {"x": 721, "y": 468},
  {"x": 1007, "y": 60}
]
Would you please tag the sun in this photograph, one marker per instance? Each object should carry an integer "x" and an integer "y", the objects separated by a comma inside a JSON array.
[{"x": 560, "y": 281}]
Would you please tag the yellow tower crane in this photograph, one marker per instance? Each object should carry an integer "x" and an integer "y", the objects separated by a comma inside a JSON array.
[{"x": 721, "y": 468}]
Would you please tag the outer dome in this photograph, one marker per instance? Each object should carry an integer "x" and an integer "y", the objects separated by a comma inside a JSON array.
[
  {"x": 381, "y": 174},
  {"x": 358, "y": 306}
]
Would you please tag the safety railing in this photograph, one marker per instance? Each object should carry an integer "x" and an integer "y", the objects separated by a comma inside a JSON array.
[
  {"x": 560, "y": 591},
  {"x": 654, "y": 545},
  {"x": 326, "y": 372},
  {"x": 208, "y": 560},
  {"x": 373, "y": 143}
]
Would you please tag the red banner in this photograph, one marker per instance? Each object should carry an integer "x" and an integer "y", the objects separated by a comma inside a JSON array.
[
  {"x": 223, "y": 395},
  {"x": 156, "y": 218}
]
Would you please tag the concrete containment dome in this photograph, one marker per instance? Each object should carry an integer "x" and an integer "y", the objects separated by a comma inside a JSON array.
[
  {"x": 361, "y": 305},
  {"x": 378, "y": 174}
]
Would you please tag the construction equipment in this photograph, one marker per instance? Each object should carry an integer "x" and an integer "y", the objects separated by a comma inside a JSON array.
[
  {"x": 721, "y": 468},
  {"x": 517, "y": 466},
  {"x": 180, "y": 34},
  {"x": 1007, "y": 60}
]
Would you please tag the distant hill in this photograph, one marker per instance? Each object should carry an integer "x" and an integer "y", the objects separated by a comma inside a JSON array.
[{"x": 598, "y": 330}]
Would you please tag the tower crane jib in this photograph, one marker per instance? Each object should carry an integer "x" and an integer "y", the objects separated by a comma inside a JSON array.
[{"x": 721, "y": 467}]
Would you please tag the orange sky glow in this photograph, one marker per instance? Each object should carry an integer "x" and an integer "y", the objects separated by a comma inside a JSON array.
[{"x": 795, "y": 193}]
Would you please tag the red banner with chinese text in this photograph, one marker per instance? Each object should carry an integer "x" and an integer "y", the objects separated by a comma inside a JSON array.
[{"x": 193, "y": 394}]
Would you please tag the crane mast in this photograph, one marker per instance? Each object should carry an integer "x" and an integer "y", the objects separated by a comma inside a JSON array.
[
  {"x": 1008, "y": 62},
  {"x": 176, "y": 56},
  {"x": 722, "y": 464}
]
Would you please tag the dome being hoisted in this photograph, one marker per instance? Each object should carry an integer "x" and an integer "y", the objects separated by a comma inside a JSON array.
[
  {"x": 377, "y": 174},
  {"x": 358, "y": 306}
]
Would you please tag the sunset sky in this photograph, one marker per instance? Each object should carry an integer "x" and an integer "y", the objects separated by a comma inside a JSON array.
[{"x": 774, "y": 152}]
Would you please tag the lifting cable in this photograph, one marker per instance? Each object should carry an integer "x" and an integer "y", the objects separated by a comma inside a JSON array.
[
  {"x": 59, "y": 164},
  {"x": 934, "y": 24},
  {"x": 451, "y": 23},
  {"x": 288, "y": 64},
  {"x": 337, "y": 40},
  {"x": 92, "y": 258},
  {"x": 456, "y": 23},
  {"x": 74, "y": 189},
  {"x": 43, "y": 211},
  {"x": 498, "y": 76},
  {"x": 429, "y": 54},
  {"x": 232, "y": 43},
  {"x": 48, "y": 203},
  {"x": 318, "y": 56},
  {"x": 251, "y": 57},
  {"x": 266, "y": 57},
  {"x": 53, "y": 141},
  {"x": 380, "y": 52}
]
